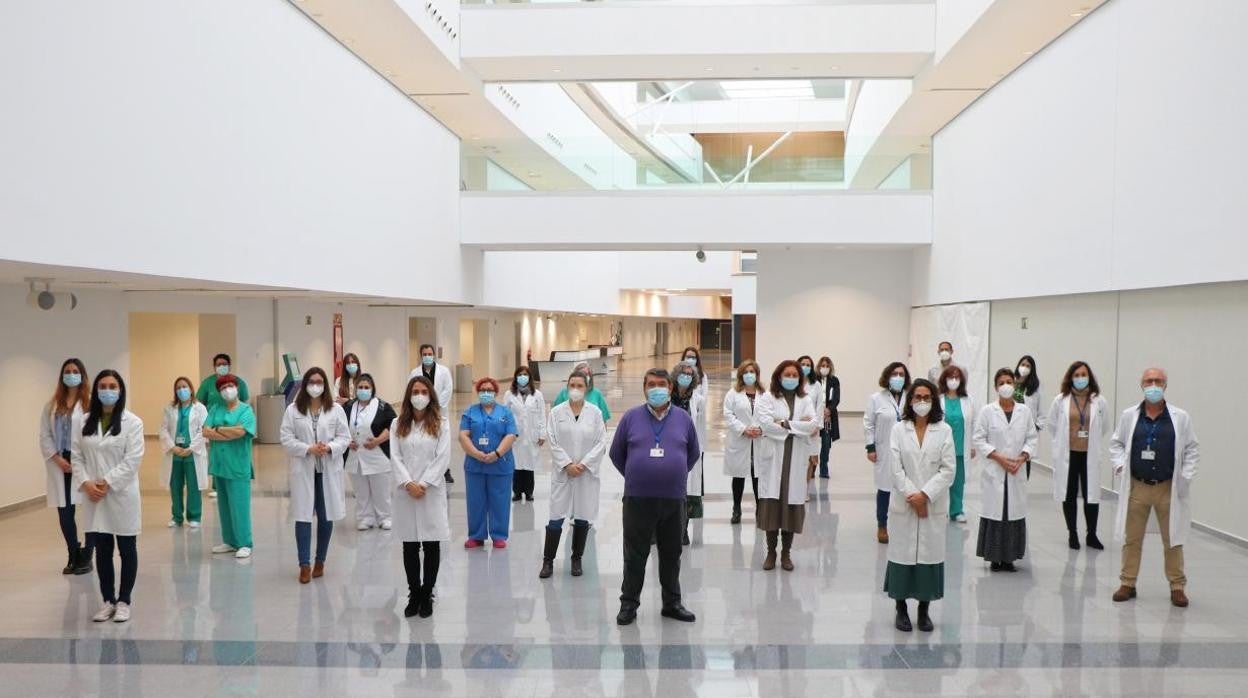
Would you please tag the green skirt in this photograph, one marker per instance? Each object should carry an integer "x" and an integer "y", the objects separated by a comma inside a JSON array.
[{"x": 920, "y": 582}]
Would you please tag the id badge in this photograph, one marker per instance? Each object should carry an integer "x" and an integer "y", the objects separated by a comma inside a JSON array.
[
  {"x": 181, "y": 442},
  {"x": 483, "y": 441},
  {"x": 1148, "y": 455},
  {"x": 1081, "y": 434},
  {"x": 656, "y": 452}
]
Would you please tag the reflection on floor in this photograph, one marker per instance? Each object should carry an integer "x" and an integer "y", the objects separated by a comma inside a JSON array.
[{"x": 210, "y": 626}]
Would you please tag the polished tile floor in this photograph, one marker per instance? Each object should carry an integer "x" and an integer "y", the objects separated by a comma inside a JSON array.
[{"x": 215, "y": 626}]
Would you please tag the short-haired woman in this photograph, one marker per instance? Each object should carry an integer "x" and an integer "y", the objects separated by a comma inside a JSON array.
[
  {"x": 1079, "y": 429},
  {"x": 69, "y": 401},
  {"x": 420, "y": 452},
  {"x": 578, "y": 441},
  {"x": 487, "y": 431},
  {"x": 315, "y": 436},
  {"x": 959, "y": 413},
  {"x": 368, "y": 455},
  {"x": 884, "y": 409},
  {"x": 742, "y": 433},
  {"x": 830, "y": 432},
  {"x": 689, "y": 398},
  {"x": 1005, "y": 433},
  {"x": 788, "y": 420},
  {"x": 185, "y": 463},
  {"x": 105, "y": 454},
  {"x": 528, "y": 406}
]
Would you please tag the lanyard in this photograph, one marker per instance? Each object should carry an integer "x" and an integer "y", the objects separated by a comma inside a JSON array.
[
  {"x": 1152, "y": 431},
  {"x": 897, "y": 404},
  {"x": 657, "y": 428},
  {"x": 1082, "y": 410}
]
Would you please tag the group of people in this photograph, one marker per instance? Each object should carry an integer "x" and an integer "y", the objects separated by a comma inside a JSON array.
[{"x": 921, "y": 435}]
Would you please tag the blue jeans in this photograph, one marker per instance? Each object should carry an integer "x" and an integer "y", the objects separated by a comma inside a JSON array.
[
  {"x": 324, "y": 529},
  {"x": 881, "y": 508},
  {"x": 489, "y": 505}
]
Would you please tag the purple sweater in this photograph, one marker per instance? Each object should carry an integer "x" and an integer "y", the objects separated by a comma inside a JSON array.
[{"x": 644, "y": 476}]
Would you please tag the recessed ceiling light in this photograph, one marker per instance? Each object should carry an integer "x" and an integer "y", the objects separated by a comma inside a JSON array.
[
  {"x": 557, "y": 70},
  {"x": 677, "y": 290},
  {"x": 834, "y": 67},
  {"x": 1076, "y": 14},
  {"x": 476, "y": 138},
  {"x": 389, "y": 73},
  {"x": 708, "y": 69},
  {"x": 1029, "y": 53}
]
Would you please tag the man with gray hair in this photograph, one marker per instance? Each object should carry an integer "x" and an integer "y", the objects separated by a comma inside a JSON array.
[{"x": 1155, "y": 452}]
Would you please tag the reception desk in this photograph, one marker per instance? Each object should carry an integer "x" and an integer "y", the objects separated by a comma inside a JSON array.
[{"x": 601, "y": 359}]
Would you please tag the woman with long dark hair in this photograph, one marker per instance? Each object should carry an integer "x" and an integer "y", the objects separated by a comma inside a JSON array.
[
  {"x": 1080, "y": 425},
  {"x": 70, "y": 400},
  {"x": 692, "y": 357},
  {"x": 814, "y": 392},
  {"x": 1027, "y": 392},
  {"x": 830, "y": 432},
  {"x": 743, "y": 433},
  {"x": 884, "y": 410},
  {"x": 788, "y": 419},
  {"x": 351, "y": 372}
]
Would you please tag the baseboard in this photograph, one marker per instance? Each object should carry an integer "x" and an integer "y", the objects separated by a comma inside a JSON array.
[{"x": 23, "y": 505}]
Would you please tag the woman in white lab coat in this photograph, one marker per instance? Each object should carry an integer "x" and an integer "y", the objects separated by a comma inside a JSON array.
[
  {"x": 346, "y": 382},
  {"x": 105, "y": 454},
  {"x": 692, "y": 357},
  {"x": 578, "y": 440},
  {"x": 815, "y": 393},
  {"x": 742, "y": 433},
  {"x": 368, "y": 455},
  {"x": 689, "y": 398},
  {"x": 528, "y": 405},
  {"x": 922, "y": 460},
  {"x": 959, "y": 413},
  {"x": 69, "y": 400},
  {"x": 788, "y": 419},
  {"x": 1005, "y": 435},
  {"x": 315, "y": 435},
  {"x": 420, "y": 451},
  {"x": 1027, "y": 392},
  {"x": 884, "y": 409},
  {"x": 184, "y": 468},
  {"x": 1079, "y": 428}
]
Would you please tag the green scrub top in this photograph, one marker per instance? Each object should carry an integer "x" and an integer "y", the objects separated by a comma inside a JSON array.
[
  {"x": 956, "y": 421},
  {"x": 211, "y": 398},
  {"x": 593, "y": 397},
  {"x": 232, "y": 459}
]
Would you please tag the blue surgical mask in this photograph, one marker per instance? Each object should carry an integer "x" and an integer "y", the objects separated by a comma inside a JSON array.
[
  {"x": 657, "y": 397},
  {"x": 352, "y": 369},
  {"x": 71, "y": 380},
  {"x": 183, "y": 393},
  {"x": 486, "y": 397},
  {"x": 364, "y": 394},
  {"x": 749, "y": 378},
  {"x": 691, "y": 360},
  {"x": 108, "y": 398},
  {"x": 1080, "y": 382},
  {"x": 223, "y": 370},
  {"x": 805, "y": 370},
  {"x": 1154, "y": 394},
  {"x": 790, "y": 383},
  {"x": 684, "y": 380},
  {"x": 896, "y": 383},
  {"x": 522, "y": 380},
  {"x": 426, "y": 360}
]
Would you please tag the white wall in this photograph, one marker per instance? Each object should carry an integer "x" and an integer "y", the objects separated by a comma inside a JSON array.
[
  {"x": 238, "y": 126},
  {"x": 877, "y": 103},
  {"x": 851, "y": 306},
  {"x": 1106, "y": 159},
  {"x": 744, "y": 294},
  {"x": 953, "y": 19}
]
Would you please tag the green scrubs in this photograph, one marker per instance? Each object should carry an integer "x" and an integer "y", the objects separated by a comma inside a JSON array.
[
  {"x": 208, "y": 394},
  {"x": 183, "y": 474},
  {"x": 229, "y": 462},
  {"x": 956, "y": 421}
]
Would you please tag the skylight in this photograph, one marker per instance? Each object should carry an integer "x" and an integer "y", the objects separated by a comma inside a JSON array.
[{"x": 768, "y": 89}]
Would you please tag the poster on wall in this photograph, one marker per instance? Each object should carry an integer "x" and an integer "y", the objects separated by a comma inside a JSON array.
[{"x": 337, "y": 345}]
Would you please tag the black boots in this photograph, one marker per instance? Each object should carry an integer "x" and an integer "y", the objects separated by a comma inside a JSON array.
[
  {"x": 79, "y": 561},
  {"x": 1092, "y": 512},
  {"x": 769, "y": 563},
  {"x": 736, "y": 513},
  {"x": 1069, "y": 513},
  {"x": 548, "y": 553},
  {"x": 903, "y": 618},
  {"x": 72, "y": 563},
  {"x": 925, "y": 621},
  {"x": 579, "y": 535}
]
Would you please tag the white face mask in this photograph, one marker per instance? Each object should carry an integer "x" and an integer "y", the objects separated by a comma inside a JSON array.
[
  {"x": 1024, "y": 371},
  {"x": 314, "y": 389},
  {"x": 946, "y": 355},
  {"x": 824, "y": 371},
  {"x": 1006, "y": 390},
  {"x": 420, "y": 402},
  {"x": 954, "y": 384},
  {"x": 229, "y": 393},
  {"x": 576, "y": 394},
  {"x": 921, "y": 408}
]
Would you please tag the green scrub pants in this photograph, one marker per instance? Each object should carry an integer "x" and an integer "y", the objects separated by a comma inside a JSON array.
[{"x": 234, "y": 508}]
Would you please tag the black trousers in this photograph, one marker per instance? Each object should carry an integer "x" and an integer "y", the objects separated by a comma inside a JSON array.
[
  {"x": 65, "y": 515},
  {"x": 646, "y": 519},
  {"x": 128, "y": 546},
  {"x": 1077, "y": 477},
  {"x": 412, "y": 566},
  {"x": 522, "y": 482}
]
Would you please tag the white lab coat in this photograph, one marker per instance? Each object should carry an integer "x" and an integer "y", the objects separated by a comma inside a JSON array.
[
  {"x": 199, "y": 445},
  {"x": 443, "y": 386},
  {"x": 882, "y": 413},
  {"x": 697, "y": 411},
  {"x": 530, "y": 413},
  {"x": 47, "y": 447},
  {"x": 297, "y": 437},
  {"x": 739, "y": 414},
  {"x": 114, "y": 459},
  {"x": 1039, "y": 409},
  {"x": 928, "y": 468},
  {"x": 364, "y": 461},
  {"x": 1099, "y": 426},
  {"x": 421, "y": 458},
  {"x": 1012, "y": 438},
  {"x": 574, "y": 440},
  {"x": 1186, "y": 457},
  {"x": 769, "y": 463}
]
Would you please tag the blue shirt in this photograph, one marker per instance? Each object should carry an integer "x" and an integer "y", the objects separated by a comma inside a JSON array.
[
  {"x": 61, "y": 425},
  {"x": 1156, "y": 435},
  {"x": 487, "y": 432}
]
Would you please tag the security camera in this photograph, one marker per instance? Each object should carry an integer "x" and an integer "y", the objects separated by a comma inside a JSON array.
[{"x": 700, "y": 255}]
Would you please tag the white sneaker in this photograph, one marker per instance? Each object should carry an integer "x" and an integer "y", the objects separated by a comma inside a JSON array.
[
  {"x": 122, "y": 614},
  {"x": 362, "y": 526},
  {"x": 105, "y": 613},
  {"x": 960, "y": 518},
  {"x": 173, "y": 524},
  {"x": 212, "y": 494},
  {"x": 243, "y": 553},
  {"x": 193, "y": 525},
  {"x": 222, "y": 548},
  {"x": 386, "y": 525}
]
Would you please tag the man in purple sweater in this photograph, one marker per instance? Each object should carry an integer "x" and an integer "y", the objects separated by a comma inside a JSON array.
[{"x": 654, "y": 448}]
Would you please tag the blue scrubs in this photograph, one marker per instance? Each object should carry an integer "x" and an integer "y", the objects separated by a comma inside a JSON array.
[{"x": 488, "y": 485}]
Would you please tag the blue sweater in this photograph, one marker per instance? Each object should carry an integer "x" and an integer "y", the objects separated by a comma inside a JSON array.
[{"x": 647, "y": 476}]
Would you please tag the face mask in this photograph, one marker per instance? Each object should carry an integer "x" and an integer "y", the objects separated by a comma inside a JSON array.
[
  {"x": 419, "y": 402},
  {"x": 364, "y": 394},
  {"x": 108, "y": 398},
  {"x": 183, "y": 394},
  {"x": 921, "y": 408},
  {"x": 576, "y": 395},
  {"x": 1080, "y": 382},
  {"x": 657, "y": 397},
  {"x": 486, "y": 397},
  {"x": 945, "y": 356},
  {"x": 229, "y": 393},
  {"x": 789, "y": 383},
  {"x": 223, "y": 370},
  {"x": 71, "y": 380},
  {"x": 426, "y": 360},
  {"x": 896, "y": 383},
  {"x": 691, "y": 360},
  {"x": 352, "y": 369},
  {"x": 824, "y": 371},
  {"x": 805, "y": 370},
  {"x": 684, "y": 380},
  {"x": 522, "y": 380},
  {"x": 1024, "y": 371},
  {"x": 314, "y": 389},
  {"x": 1006, "y": 390},
  {"x": 954, "y": 384},
  {"x": 1154, "y": 394}
]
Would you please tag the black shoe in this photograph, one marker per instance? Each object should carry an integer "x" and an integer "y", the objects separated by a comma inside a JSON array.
[
  {"x": 83, "y": 564},
  {"x": 736, "y": 515},
  {"x": 413, "y": 604},
  {"x": 71, "y": 563},
  {"x": 824, "y": 476},
  {"x": 548, "y": 568},
  {"x": 448, "y": 477},
  {"x": 903, "y": 621},
  {"x": 678, "y": 612},
  {"x": 1073, "y": 540},
  {"x": 577, "y": 570},
  {"x": 626, "y": 616},
  {"x": 1094, "y": 542},
  {"x": 925, "y": 622},
  {"x": 528, "y": 497},
  {"x": 515, "y": 497},
  {"x": 684, "y": 537},
  {"x": 1008, "y": 567},
  {"x": 995, "y": 567},
  {"x": 426, "y": 603}
]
